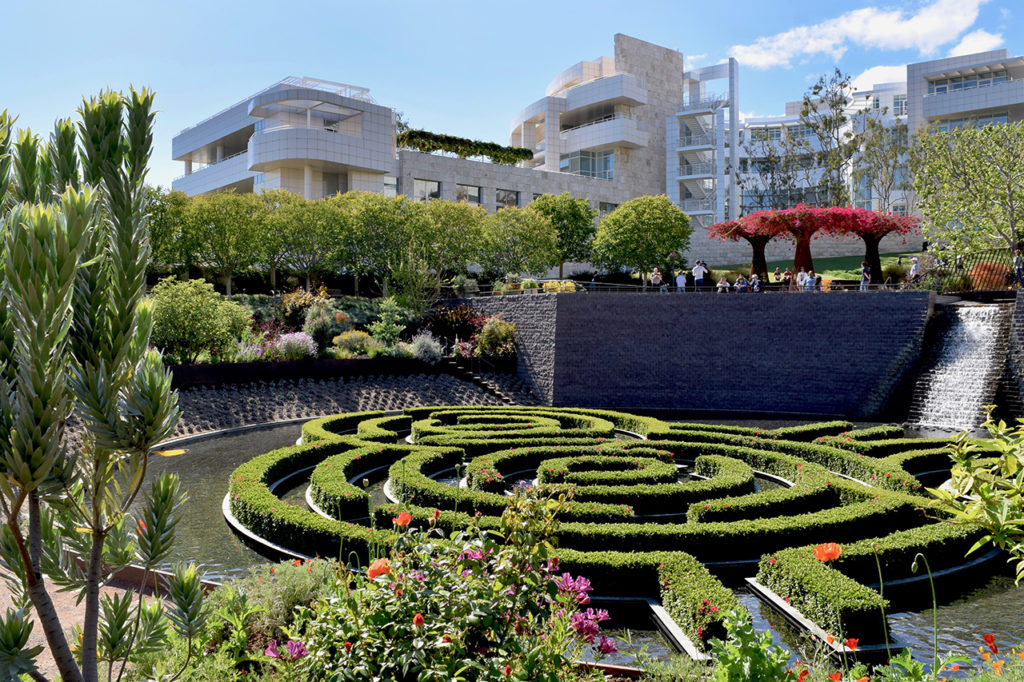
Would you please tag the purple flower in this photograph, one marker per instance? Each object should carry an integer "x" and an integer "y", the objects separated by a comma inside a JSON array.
[
  {"x": 584, "y": 627},
  {"x": 607, "y": 646},
  {"x": 578, "y": 588},
  {"x": 296, "y": 650},
  {"x": 271, "y": 649}
]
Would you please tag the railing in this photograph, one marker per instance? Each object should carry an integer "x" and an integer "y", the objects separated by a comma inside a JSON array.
[
  {"x": 594, "y": 123},
  {"x": 708, "y": 102},
  {"x": 210, "y": 165},
  {"x": 974, "y": 86},
  {"x": 298, "y": 126},
  {"x": 988, "y": 270},
  {"x": 696, "y": 140},
  {"x": 698, "y": 204},
  {"x": 707, "y": 168}
]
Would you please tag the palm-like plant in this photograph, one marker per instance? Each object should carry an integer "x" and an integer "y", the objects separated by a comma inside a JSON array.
[{"x": 74, "y": 333}]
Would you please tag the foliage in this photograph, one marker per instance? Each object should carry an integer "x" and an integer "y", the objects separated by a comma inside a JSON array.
[
  {"x": 496, "y": 339},
  {"x": 352, "y": 342},
  {"x": 189, "y": 317},
  {"x": 460, "y": 322},
  {"x": 641, "y": 233},
  {"x": 881, "y": 162},
  {"x": 485, "y": 606},
  {"x": 387, "y": 329},
  {"x": 295, "y": 346},
  {"x": 424, "y": 141},
  {"x": 824, "y": 113},
  {"x": 987, "y": 489},
  {"x": 313, "y": 236},
  {"x": 969, "y": 186},
  {"x": 293, "y": 306},
  {"x": 426, "y": 348},
  {"x": 747, "y": 654},
  {"x": 573, "y": 220},
  {"x": 223, "y": 234},
  {"x": 518, "y": 240},
  {"x": 323, "y": 325},
  {"x": 73, "y": 275},
  {"x": 173, "y": 247}
]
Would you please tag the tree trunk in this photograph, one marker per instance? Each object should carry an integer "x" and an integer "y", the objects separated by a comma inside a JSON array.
[
  {"x": 273, "y": 277},
  {"x": 758, "y": 262},
  {"x": 227, "y": 285},
  {"x": 802, "y": 258},
  {"x": 308, "y": 283},
  {"x": 35, "y": 534},
  {"x": 90, "y": 624},
  {"x": 560, "y": 265},
  {"x": 873, "y": 258}
]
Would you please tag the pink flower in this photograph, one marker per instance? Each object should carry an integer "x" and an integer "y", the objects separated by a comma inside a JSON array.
[
  {"x": 271, "y": 649},
  {"x": 606, "y": 646},
  {"x": 296, "y": 650}
]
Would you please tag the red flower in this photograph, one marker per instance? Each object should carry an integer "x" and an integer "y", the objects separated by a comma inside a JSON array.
[
  {"x": 508, "y": 670},
  {"x": 803, "y": 673},
  {"x": 827, "y": 551},
  {"x": 348, "y": 646},
  {"x": 297, "y": 562},
  {"x": 851, "y": 643},
  {"x": 835, "y": 677},
  {"x": 141, "y": 527},
  {"x": 378, "y": 567},
  {"x": 417, "y": 620},
  {"x": 402, "y": 520},
  {"x": 990, "y": 639}
]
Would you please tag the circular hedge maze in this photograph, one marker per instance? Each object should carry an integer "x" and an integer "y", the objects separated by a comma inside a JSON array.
[{"x": 661, "y": 510}]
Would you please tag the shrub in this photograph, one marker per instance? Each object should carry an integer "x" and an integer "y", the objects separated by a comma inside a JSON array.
[
  {"x": 352, "y": 342},
  {"x": 426, "y": 348},
  {"x": 456, "y": 323},
  {"x": 190, "y": 317},
  {"x": 387, "y": 329},
  {"x": 323, "y": 325},
  {"x": 292, "y": 307},
  {"x": 295, "y": 346},
  {"x": 496, "y": 339},
  {"x": 895, "y": 273}
]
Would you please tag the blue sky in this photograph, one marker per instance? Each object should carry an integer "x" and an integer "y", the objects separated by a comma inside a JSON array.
[{"x": 462, "y": 68}]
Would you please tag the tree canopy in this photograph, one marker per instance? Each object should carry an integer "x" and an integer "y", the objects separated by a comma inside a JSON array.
[
  {"x": 573, "y": 220},
  {"x": 641, "y": 233}
]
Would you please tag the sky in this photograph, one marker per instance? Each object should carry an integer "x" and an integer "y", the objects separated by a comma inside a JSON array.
[{"x": 460, "y": 68}]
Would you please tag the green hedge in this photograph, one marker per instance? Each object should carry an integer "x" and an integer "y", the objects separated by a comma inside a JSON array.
[
  {"x": 808, "y": 432},
  {"x": 607, "y": 470},
  {"x": 803, "y": 498},
  {"x": 328, "y": 428},
  {"x": 383, "y": 429},
  {"x": 884, "y": 448},
  {"x": 695, "y": 599},
  {"x": 881, "y": 432},
  {"x": 835, "y": 596}
]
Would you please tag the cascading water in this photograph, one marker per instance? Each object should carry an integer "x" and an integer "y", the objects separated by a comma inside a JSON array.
[{"x": 962, "y": 370}]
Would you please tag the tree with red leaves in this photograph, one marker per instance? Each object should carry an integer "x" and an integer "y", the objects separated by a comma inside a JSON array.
[
  {"x": 757, "y": 230},
  {"x": 872, "y": 227}
]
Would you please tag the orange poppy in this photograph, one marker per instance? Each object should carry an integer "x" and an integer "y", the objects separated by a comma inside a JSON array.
[
  {"x": 402, "y": 520},
  {"x": 827, "y": 551},
  {"x": 378, "y": 567}
]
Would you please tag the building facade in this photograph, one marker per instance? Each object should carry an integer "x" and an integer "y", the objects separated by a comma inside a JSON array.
[{"x": 606, "y": 130}]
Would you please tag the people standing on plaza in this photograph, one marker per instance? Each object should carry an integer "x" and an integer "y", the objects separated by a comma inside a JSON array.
[
  {"x": 741, "y": 284},
  {"x": 865, "y": 276},
  {"x": 681, "y": 281},
  {"x": 698, "y": 275},
  {"x": 801, "y": 280},
  {"x": 655, "y": 278},
  {"x": 914, "y": 270},
  {"x": 777, "y": 276},
  {"x": 723, "y": 285},
  {"x": 787, "y": 279},
  {"x": 755, "y": 284},
  {"x": 818, "y": 284},
  {"x": 1018, "y": 269},
  {"x": 808, "y": 280}
]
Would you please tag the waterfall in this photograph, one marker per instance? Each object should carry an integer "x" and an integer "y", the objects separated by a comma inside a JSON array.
[{"x": 961, "y": 370}]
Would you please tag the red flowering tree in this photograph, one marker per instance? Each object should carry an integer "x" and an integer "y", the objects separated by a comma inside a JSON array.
[
  {"x": 804, "y": 223},
  {"x": 757, "y": 229},
  {"x": 872, "y": 227}
]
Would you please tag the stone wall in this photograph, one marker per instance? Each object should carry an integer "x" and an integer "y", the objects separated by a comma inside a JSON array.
[
  {"x": 1015, "y": 351},
  {"x": 829, "y": 354}
]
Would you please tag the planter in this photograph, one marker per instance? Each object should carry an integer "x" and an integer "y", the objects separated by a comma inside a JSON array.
[{"x": 530, "y": 291}]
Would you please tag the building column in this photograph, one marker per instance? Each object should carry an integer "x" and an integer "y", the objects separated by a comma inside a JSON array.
[
  {"x": 188, "y": 167},
  {"x": 307, "y": 181},
  {"x": 220, "y": 153},
  {"x": 309, "y": 118}
]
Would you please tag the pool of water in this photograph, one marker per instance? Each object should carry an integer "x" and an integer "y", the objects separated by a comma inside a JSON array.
[{"x": 203, "y": 535}]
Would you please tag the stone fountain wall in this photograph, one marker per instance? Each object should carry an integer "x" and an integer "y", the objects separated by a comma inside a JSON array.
[{"x": 837, "y": 353}]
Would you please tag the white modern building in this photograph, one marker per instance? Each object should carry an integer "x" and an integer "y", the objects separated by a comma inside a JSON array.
[{"x": 607, "y": 130}]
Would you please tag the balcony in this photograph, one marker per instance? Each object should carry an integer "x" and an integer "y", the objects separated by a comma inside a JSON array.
[
  {"x": 706, "y": 104},
  {"x": 697, "y": 170},
  {"x": 214, "y": 176},
  {"x": 618, "y": 131},
  {"x": 959, "y": 102},
  {"x": 699, "y": 205},
  {"x": 705, "y": 140}
]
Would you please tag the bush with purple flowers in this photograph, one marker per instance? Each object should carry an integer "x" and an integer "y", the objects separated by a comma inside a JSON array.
[{"x": 295, "y": 346}]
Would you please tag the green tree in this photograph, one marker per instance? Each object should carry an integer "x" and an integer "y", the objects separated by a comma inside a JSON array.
[
  {"x": 170, "y": 240},
  {"x": 777, "y": 172},
  {"x": 224, "y": 237},
  {"x": 379, "y": 241},
  {"x": 641, "y": 233},
  {"x": 311, "y": 236},
  {"x": 448, "y": 239},
  {"x": 74, "y": 336},
  {"x": 573, "y": 220},
  {"x": 881, "y": 162},
  {"x": 272, "y": 227},
  {"x": 970, "y": 186},
  {"x": 833, "y": 142},
  {"x": 519, "y": 241}
]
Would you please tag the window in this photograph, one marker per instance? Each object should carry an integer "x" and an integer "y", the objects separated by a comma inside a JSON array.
[
  {"x": 899, "y": 209},
  {"x": 944, "y": 85},
  {"x": 424, "y": 190},
  {"x": 259, "y": 179},
  {"x": 468, "y": 193},
  {"x": 537, "y": 195},
  {"x": 980, "y": 121},
  {"x": 775, "y": 133},
  {"x": 332, "y": 184},
  {"x": 390, "y": 186},
  {"x": 876, "y": 103},
  {"x": 899, "y": 105},
  {"x": 506, "y": 198},
  {"x": 589, "y": 164},
  {"x": 606, "y": 207}
]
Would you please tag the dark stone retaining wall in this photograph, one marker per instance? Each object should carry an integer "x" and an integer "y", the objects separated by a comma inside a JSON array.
[
  {"x": 1015, "y": 351},
  {"x": 184, "y": 376},
  {"x": 812, "y": 353}
]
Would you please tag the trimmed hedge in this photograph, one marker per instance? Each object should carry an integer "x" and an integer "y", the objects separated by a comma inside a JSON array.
[
  {"x": 835, "y": 596},
  {"x": 607, "y": 470},
  {"x": 808, "y": 432},
  {"x": 383, "y": 429},
  {"x": 695, "y": 599},
  {"x": 881, "y": 432},
  {"x": 328, "y": 428}
]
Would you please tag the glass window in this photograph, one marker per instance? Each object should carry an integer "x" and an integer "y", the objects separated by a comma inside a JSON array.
[
  {"x": 424, "y": 190},
  {"x": 899, "y": 209},
  {"x": 536, "y": 195},
  {"x": 589, "y": 164},
  {"x": 899, "y": 105},
  {"x": 390, "y": 186},
  {"x": 468, "y": 193},
  {"x": 505, "y": 198},
  {"x": 606, "y": 207},
  {"x": 876, "y": 103},
  {"x": 775, "y": 133}
]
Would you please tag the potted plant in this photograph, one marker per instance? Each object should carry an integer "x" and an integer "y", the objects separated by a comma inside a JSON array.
[
  {"x": 552, "y": 287},
  {"x": 513, "y": 288},
  {"x": 529, "y": 286},
  {"x": 498, "y": 289}
]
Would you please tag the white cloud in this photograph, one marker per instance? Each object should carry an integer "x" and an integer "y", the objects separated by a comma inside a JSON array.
[
  {"x": 693, "y": 59},
  {"x": 879, "y": 74},
  {"x": 977, "y": 41},
  {"x": 932, "y": 26}
]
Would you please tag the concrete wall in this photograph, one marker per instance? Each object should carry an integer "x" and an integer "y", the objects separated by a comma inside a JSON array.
[{"x": 830, "y": 354}]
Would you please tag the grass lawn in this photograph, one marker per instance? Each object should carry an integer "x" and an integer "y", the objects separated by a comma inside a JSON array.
[{"x": 839, "y": 267}]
